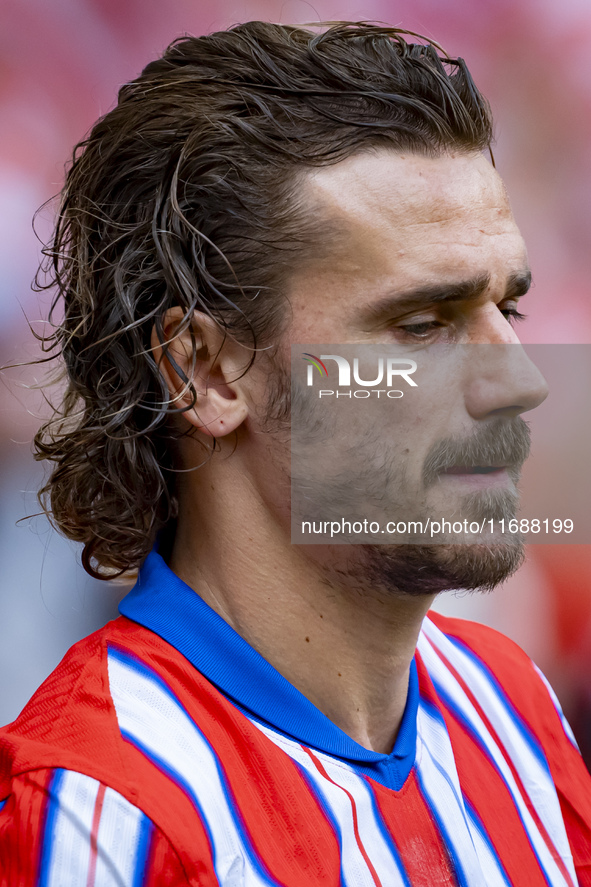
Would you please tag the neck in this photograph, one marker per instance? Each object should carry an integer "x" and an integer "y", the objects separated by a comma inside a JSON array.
[{"x": 347, "y": 649}]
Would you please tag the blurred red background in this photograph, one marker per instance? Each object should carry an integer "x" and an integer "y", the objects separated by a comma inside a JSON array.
[{"x": 61, "y": 63}]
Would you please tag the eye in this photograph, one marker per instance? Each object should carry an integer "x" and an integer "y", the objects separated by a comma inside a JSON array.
[
  {"x": 512, "y": 315},
  {"x": 420, "y": 330}
]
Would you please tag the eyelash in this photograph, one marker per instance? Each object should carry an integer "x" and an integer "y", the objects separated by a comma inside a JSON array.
[
  {"x": 511, "y": 314},
  {"x": 416, "y": 329},
  {"x": 514, "y": 314}
]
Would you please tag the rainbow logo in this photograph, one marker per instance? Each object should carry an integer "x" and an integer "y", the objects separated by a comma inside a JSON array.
[{"x": 314, "y": 361}]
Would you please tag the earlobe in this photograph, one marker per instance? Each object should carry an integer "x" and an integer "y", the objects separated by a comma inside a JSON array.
[{"x": 203, "y": 371}]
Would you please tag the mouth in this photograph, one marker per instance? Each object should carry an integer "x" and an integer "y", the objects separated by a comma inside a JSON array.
[
  {"x": 474, "y": 469},
  {"x": 479, "y": 476}
]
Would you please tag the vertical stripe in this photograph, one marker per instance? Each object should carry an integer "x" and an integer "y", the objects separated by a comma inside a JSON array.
[
  {"x": 367, "y": 851},
  {"x": 399, "y": 866},
  {"x": 286, "y": 821},
  {"x": 363, "y": 851},
  {"x": 515, "y": 740},
  {"x": 488, "y": 856},
  {"x": 67, "y": 832},
  {"x": 144, "y": 842},
  {"x": 502, "y": 713},
  {"x": 416, "y": 836},
  {"x": 123, "y": 843},
  {"x": 440, "y": 785},
  {"x": 565, "y": 724},
  {"x": 93, "y": 836},
  {"x": 152, "y": 718},
  {"x": 347, "y": 862},
  {"x": 455, "y": 698},
  {"x": 22, "y": 828},
  {"x": 488, "y": 798},
  {"x": 51, "y": 811},
  {"x": 98, "y": 806},
  {"x": 514, "y": 771}
]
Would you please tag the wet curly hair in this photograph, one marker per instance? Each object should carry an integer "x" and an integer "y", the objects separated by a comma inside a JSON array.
[{"x": 186, "y": 194}]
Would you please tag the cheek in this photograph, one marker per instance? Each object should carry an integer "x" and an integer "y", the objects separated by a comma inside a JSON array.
[
  {"x": 269, "y": 475},
  {"x": 425, "y": 416}
]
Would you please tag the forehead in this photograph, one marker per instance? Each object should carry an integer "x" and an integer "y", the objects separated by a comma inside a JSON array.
[{"x": 396, "y": 221}]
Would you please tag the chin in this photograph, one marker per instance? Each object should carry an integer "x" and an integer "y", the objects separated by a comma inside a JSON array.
[{"x": 429, "y": 569}]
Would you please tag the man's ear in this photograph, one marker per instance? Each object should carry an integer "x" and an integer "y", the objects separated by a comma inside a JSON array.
[{"x": 196, "y": 357}]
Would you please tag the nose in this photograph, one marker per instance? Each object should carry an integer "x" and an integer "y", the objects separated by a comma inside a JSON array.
[
  {"x": 491, "y": 327},
  {"x": 501, "y": 380}
]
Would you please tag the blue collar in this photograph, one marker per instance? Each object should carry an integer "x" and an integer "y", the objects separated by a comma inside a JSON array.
[{"x": 163, "y": 603}]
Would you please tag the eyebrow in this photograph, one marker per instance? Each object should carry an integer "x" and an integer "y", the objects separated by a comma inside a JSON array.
[{"x": 469, "y": 290}]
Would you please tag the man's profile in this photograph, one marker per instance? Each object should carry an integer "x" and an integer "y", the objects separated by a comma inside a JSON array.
[{"x": 264, "y": 713}]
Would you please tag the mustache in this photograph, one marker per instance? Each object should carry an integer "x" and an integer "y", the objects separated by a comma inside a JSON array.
[{"x": 504, "y": 442}]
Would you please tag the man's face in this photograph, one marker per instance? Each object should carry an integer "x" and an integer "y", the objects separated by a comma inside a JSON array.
[{"x": 424, "y": 253}]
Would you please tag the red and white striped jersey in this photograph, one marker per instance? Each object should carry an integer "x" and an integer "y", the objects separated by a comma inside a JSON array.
[{"x": 164, "y": 750}]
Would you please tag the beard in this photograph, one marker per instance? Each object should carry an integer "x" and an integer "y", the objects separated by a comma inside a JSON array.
[{"x": 416, "y": 569}]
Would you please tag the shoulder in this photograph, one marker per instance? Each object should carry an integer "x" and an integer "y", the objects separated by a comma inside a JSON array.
[
  {"x": 61, "y": 723},
  {"x": 71, "y": 721},
  {"x": 487, "y": 644},
  {"x": 489, "y": 665},
  {"x": 57, "y": 825},
  {"x": 69, "y": 774},
  {"x": 502, "y": 713},
  {"x": 488, "y": 683}
]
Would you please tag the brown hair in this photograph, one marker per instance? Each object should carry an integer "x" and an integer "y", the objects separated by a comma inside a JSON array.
[{"x": 186, "y": 194}]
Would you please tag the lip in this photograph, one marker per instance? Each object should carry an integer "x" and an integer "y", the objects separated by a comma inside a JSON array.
[{"x": 487, "y": 476}]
